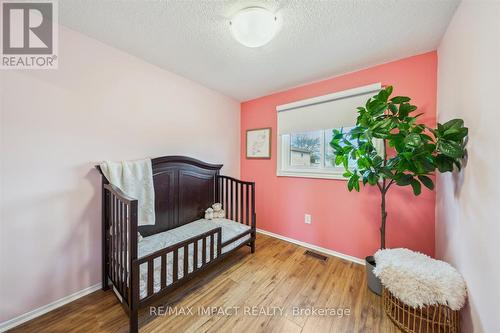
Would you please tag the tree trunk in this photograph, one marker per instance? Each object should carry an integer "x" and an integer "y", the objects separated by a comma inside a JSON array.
[{"x": 384, "y": 218}]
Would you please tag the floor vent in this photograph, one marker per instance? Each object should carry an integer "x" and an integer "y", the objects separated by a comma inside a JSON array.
[{"x": 315, "y": 255}]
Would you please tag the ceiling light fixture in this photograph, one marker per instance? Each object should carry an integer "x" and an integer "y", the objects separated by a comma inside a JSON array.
[{"x": 254, "y": 26}]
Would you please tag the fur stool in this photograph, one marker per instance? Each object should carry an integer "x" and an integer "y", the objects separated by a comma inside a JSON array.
[{"x": 420, "y": 294}]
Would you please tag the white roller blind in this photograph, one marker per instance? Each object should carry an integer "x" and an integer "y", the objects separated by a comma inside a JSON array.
[{"x": 324, "y": 112}]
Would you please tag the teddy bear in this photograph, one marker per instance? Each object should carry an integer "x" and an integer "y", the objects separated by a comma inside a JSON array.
[
  {"x": 209, "y": 214},
  {"x": 218, "y": 211},
  {"x": 215, "y": 212}
]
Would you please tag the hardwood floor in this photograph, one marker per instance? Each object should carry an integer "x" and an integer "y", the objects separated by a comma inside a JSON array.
[{"x": 278, "y": 277}]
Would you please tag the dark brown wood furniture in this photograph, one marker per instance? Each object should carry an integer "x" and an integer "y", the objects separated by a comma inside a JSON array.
[{"x": 184, "y": 187}]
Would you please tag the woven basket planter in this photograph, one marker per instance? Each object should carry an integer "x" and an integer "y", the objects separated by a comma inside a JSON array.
[{"x": 428, "y": 319}]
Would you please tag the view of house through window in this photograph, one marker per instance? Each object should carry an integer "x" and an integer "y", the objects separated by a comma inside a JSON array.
[
  {"x": 305, "y": 149},
  {"x": 311, "y": 149}
]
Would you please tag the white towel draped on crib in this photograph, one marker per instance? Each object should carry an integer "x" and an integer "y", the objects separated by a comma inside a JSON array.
[{"x": 135, "y": 179}]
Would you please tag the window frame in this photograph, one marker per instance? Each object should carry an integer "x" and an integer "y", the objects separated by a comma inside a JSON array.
[{"x": 283, "y": 168}]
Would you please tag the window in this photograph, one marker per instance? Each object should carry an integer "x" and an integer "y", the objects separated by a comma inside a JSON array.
[
  {"x": 305, "y": 131},
  {"x": 305, "y": 149}
]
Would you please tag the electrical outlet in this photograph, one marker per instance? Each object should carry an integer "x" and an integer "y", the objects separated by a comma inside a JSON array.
[{"x": 307, "y": 219}]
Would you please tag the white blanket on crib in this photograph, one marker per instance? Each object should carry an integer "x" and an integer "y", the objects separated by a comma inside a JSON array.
[{"x": 135, "y": 179}]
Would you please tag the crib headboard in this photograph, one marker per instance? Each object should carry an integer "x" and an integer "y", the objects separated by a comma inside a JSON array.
[{"x": 184, "y": 188}]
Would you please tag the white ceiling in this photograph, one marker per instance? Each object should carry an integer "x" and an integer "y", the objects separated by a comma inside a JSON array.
[{"x": 318, "y": 38}]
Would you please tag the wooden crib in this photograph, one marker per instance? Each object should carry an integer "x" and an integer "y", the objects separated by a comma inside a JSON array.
[{"x": 184, "y": 187}]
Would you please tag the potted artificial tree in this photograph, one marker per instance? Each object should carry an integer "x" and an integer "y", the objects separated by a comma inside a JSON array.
[{"x": 412, "y": 152}]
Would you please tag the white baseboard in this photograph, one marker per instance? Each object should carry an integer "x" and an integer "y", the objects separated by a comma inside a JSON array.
[
  {"x": 314, "y": 247},
  {"x": 6, "y": 325}
]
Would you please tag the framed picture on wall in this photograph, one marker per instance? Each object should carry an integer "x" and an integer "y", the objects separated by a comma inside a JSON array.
[{"x": 259, "y": 143}]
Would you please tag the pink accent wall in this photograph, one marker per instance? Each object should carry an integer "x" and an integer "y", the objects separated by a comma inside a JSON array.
[{"x": 342, "y": 221}]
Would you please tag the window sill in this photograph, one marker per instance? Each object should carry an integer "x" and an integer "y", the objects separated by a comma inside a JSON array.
[{"x": 311, "y": 174}]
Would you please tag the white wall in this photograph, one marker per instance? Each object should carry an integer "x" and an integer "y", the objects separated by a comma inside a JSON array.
[
  {"x": 468, "y": 204},
  {"x": 56, "y": 124}
]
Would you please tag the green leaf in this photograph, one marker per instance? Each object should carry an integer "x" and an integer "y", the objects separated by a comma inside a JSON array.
[
  {"x": 455, "y": 134},
  {"x": 350, "y": 184},
  {"x": 393, "y": 108},
  {"x": 356, "y": 185},
  {"x": 357, "y": 130},
  {"x": 413, "y": 140},
  {"x": 377, "y": 161},
  {"x": 372, "y": 178},
  {"x": 450, "y": 148},
  {"x": 425, "y": 137},
  {"x": 345, "y": 161},
  {"x": 403, "y": 179},
  {"x": 347, "y": 174},
  {"x": 404, "y": 110},
  {"x": 417, "y": 188},
  {"x": 427, "y": 182},
  {"x": 365, "y": 178},
  {"x": 383, "y": 95},
  {"x": 387, "y": 173},
  {"x": 363, "y": 163},
  {"x": 347, "y": 149},
  {"x": 454, "y": 123},
  {"x": 376, "y": 107},
  {"x": 400, "y": 99},
  {"x": 444, "y": 163},
  {"x": 353, "y": 183},
  {"x": 389, "y": 90}
]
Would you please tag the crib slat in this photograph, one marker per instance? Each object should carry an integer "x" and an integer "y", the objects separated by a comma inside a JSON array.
[
  {"x": 175, "y": 268},
  {"x": 237, "y": 201},
  {"x": 204, "y": 251},
  {"x": 247, "y": 208},
  {"x": 226, "y": 191},
  {"x": 212, "y": 245},
  {"x": 125, "y": 254},
  {"x": 221, "y": 189},
  {"x": 216, "y": 189},
  {"x": 229, "y": 184},
  {"x": 124, "y": 249},
  {"x": 163, "y": 280},
  {"x": 150, "y": 277},
  {"x": 113, "y": 240},
  {"x": 241, "y": 205},
  {"x": 219, "y": 244},
  {"x": 116, "y": 238},
  {"x": 120, "y": 248},
  {"x": 253, "y": 207},
  {"x": 231, "y": 198},
  {"x": 110, "y": 241},
  {"x": 186, "y": 261},
  {"x": 195, "y": 256},
  {"x": 228, "y": 203}
]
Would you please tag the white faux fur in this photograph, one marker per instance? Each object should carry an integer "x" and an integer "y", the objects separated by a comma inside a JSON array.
[{"x": 418, "y": 280}]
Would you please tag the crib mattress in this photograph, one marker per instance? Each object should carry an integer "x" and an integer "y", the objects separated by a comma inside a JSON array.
[{"x": 162, "y": 240}]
